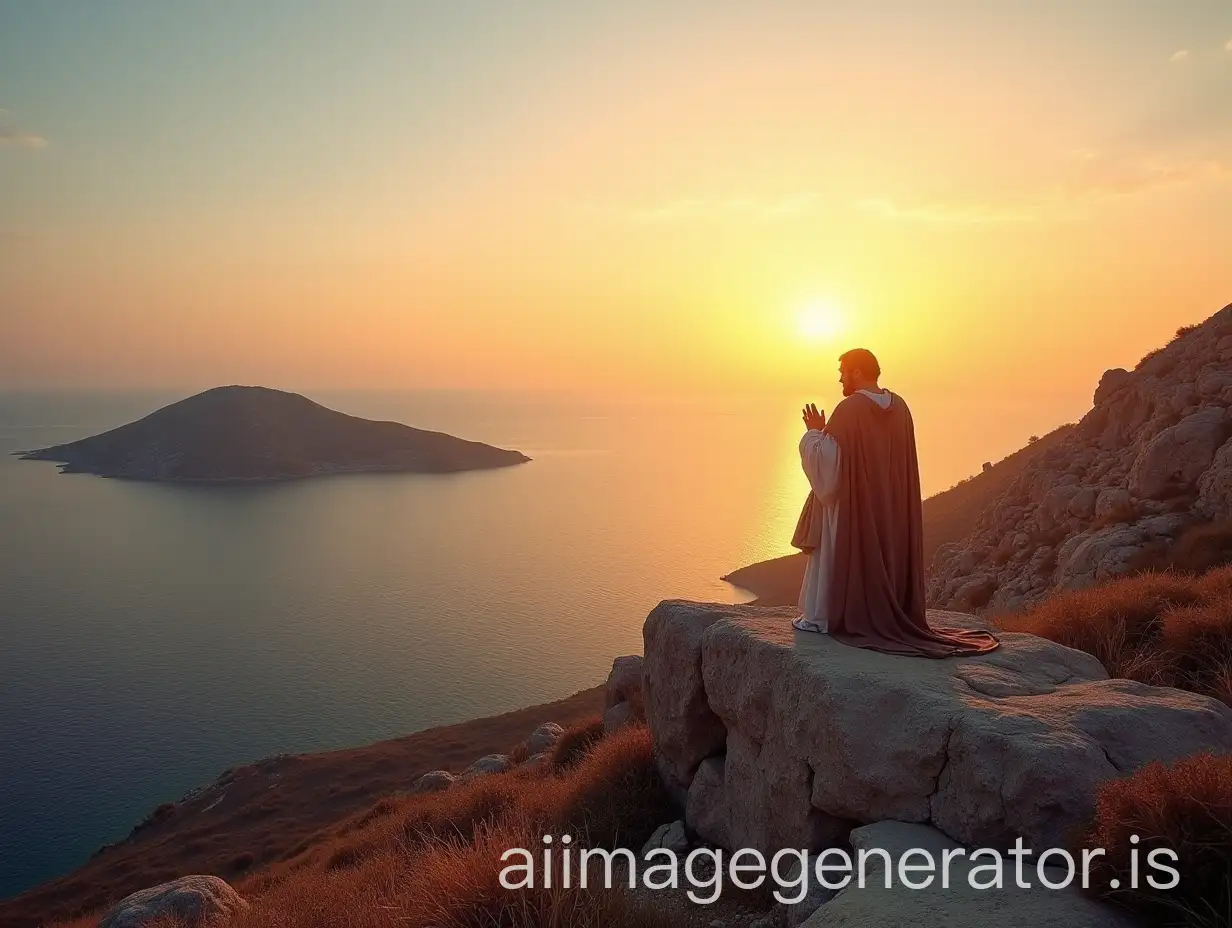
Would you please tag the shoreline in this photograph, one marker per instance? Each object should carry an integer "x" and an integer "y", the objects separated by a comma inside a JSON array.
[{"x": 257, "y": 813}]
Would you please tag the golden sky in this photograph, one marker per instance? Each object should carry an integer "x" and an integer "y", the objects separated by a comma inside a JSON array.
[{"x": 997, "y": 198}]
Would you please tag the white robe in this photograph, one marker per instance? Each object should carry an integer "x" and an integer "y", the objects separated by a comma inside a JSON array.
[{"x": 819, "y": 456}]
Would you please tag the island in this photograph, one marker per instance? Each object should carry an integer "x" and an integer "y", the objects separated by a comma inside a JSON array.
[{"x": 241, "y": 433}]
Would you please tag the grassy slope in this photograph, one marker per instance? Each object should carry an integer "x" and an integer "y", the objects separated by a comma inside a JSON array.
[
  {"x": 273, "y": 808},
  {"x": 948, "y": 516}
]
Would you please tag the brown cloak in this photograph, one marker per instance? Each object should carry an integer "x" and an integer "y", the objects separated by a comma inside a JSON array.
[{"x": 877, "y": 583}]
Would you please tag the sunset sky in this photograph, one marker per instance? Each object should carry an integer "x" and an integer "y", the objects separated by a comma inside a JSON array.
[{"x": 1004, "y": 196}]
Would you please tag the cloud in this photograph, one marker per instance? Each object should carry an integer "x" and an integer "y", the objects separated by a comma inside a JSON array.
[
  {"x": 1228, "y": 45},
  {"x": 1098, "y": 174},
  {"x": 767, "y": 208},
  {"x": 954, "y": 213},
  {"x": 1179, "y": 55},
  {"x": 1087, "y": 180},
  {"x": 12, "y": 136}
]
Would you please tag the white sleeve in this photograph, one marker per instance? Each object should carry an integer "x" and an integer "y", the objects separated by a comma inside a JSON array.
[{"x": 819, "y": 457}]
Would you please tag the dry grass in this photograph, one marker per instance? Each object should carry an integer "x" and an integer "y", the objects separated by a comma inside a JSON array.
[
  {"x": 433, "y": 861},
  {"x": 1185, "y": 808},
  {"x": 575, "y": 743},
  {"x": 1165, "y": 629}
]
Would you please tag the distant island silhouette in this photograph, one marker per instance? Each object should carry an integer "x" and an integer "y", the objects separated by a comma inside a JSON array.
[{"x": 241, "y": 433}]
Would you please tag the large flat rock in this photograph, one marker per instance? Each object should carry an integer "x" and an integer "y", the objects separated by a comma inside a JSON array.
[{"x": 786, "y": 738}]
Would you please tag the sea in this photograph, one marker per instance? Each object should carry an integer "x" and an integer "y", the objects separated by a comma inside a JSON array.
[{"x": 153, "y": 635}]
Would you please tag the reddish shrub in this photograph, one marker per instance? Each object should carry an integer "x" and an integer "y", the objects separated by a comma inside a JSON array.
[
  {"x": 1186, "y": 809},
  {"x": 575, "y": 742}
]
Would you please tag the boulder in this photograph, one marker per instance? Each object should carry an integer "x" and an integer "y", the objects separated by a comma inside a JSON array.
[
  {"x": 1082, "y": 504},
  {"x": 671, "y": 837},
  {"x": 624, "y": 683},
  {"x": 1179, "y": 455},
  {"x": 1103, "y": 555},
  {"x": 820, "y": 735},
  {"x": 976, "y": 591},
  {"x": 434, "y": 781},
  {"x": 1112, "y": 503},
  {"x": 491, "y": 763},
  {"x": 794, "y": 913},
  {"x": 1215, "y": 487},
  {"x": 190, "y": 901},
  {"x": 543, "y": 737},
  {"x": 960, "y": 904},
  {"x": 617, "y": 717},
  {"x": 1112, "y": 381}
]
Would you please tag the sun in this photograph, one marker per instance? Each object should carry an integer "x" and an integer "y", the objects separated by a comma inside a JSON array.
[{"x": 821, "y": 321}]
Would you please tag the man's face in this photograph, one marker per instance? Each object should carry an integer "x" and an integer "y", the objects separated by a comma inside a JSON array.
[{"x": 847, "y": 377}]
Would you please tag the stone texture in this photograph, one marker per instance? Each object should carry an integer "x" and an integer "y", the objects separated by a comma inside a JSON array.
[
  {"x": 671, "y": 837},
  {"x": 624, "y": 683},
  {"x": 1106, "y": 554},
  {"x": 959, "y": 905},
  {"x": 618, "y": 716},
  {"x": 491, "y": 763},
  {"x": 544, "y": 737},
  {"x": 434, "y": 781},
  {"x": 1215, "y": 486},
  {"x": 1155, "y": 443},
  {"x": 676, "y": 708},
  {"x": 1179, "y": 455},
  {"x": 820, "y": 735},
  {"x": 191, "y": 900},
  {"x": 794, "y": 914}
]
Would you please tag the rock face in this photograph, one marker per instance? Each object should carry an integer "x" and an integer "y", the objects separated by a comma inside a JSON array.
[
  {"x": 1158, "y": 441},
  {"x": 254, "y": 433},
  {"x": 960, "y": 905},
  {"x": 779, "y": 738},
  {"x": 191, "y": 900}
]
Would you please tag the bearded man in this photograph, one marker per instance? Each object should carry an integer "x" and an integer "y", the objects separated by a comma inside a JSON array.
[{"x": 862, "y": 524}]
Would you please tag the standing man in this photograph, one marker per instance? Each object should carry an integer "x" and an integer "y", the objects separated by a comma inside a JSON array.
[{"x": 862, "y": 524}]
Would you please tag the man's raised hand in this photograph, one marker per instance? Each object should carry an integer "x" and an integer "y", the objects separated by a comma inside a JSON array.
[{"x": 813, "y": 418}]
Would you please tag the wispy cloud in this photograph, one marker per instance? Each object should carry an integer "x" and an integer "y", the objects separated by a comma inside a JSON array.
[
  {"x": 751, "y": 207},
  {"x": 1088, "y": 179},
  {"x": 1228, "y": 45},
  {"x": 1180, "y": 55},
  {"x": 953, "y": 213},
  {"x": 13, "y": 136}
]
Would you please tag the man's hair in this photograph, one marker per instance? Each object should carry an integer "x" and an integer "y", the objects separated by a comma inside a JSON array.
[{"x": 862, "y": 360}]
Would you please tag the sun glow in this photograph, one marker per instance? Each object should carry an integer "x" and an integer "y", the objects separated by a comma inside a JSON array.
[{"x": 821, "y": 321}]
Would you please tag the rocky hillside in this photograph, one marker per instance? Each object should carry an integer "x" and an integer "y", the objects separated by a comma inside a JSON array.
[
  {"x": 1149, "y": 463},
  {"x": 255, "y": 433}
]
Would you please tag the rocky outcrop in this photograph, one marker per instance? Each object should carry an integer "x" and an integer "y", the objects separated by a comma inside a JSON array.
[
  {"x": 927, "y": 903},
  {"x": 1158, "y": 442},
  {"x": 623, "y": 702},
  {"x": 777, "y": 738},
  {"x": 190, "y": 901}
]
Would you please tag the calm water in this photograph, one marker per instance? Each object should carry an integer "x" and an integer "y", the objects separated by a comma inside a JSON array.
[{"x": 151, "y": 636}]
